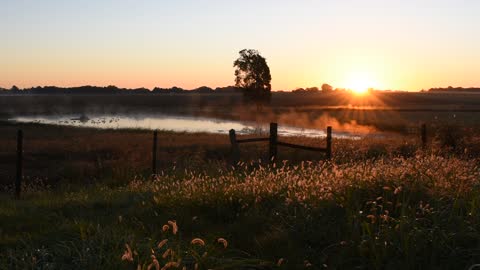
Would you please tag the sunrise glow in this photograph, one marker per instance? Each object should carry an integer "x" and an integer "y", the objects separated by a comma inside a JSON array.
[
  {"x": 360, "y": 82},
  {"x": 70, "y": 43}
]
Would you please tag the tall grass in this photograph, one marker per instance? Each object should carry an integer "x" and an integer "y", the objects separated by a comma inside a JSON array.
[
  {"x": 420, "y": 212},
  {"x": 379, "y": 204}
]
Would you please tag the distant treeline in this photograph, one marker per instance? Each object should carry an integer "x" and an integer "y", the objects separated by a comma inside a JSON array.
[
  {"x": 454, "y": 89},
  {"x": 111, "y": 89},
  {"x": 93, "y": 90}
]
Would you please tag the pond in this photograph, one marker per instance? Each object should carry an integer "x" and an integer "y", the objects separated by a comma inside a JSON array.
[{"x": 174, "y": 123}]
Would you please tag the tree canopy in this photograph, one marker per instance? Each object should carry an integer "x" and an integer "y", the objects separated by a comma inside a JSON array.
[
  {"x": 327, "y": 87},
  {"x": 252, "y": 74}
]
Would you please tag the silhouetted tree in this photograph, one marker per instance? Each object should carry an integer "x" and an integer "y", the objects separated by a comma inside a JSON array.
[
  {"x": 298, "y": 90},
  {"x": 228, "y": 89},
  {"x": 252, "y": 75},
  {"x": 313, "y": 89},
  {"x": 14, "y": 88},
  {"x": 202, "y": 89},
  {"x": 327, "y": 87}
]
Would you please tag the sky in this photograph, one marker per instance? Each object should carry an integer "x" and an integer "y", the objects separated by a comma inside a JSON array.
[{"x": 402, "y": 45}]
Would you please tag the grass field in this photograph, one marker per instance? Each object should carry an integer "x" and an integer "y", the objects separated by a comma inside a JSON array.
[{"x": 378, "y": 204}]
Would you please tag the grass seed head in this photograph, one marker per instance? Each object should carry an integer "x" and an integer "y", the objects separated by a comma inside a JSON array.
[{"x": 198, "y": 241}]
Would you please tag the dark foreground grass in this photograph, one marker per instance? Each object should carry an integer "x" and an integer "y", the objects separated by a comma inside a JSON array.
[{"x": 419, "y": 212}]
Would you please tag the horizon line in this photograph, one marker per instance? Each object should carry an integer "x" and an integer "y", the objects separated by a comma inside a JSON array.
[{"x": 214, "y": 88}]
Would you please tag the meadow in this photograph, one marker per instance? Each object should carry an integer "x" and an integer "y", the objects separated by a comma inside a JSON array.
[{"x": 89, "y": 202}]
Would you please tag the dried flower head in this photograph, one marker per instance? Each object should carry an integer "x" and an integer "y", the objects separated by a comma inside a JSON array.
[
  {"x": 154, "y": 264},
  {"x": 372, "y": 218},
  {"x": 198, "y": 241},
  {"x": 173, "y": 223},
  {"x": 166, "y": 253},
  {"x": 162, "y": 243},
  {"x": 170, "y": 265},
  {"x": 223, "y": 242},
  {"x": 128, "y": 255}
]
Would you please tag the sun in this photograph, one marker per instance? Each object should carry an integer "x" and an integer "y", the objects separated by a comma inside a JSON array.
[{"x": 360, "y": 82}]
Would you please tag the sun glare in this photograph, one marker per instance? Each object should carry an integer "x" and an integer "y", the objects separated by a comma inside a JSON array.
[{"x": 359, "y": 83}]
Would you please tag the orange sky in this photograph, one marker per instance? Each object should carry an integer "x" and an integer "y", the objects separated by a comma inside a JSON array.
[{"x": 407, "y": 45}]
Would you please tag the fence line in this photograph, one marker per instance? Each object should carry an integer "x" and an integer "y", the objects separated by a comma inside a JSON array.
[
  {"x": 274, "y": 143},
  {"x": 423, "y": 131},
  {"x": 253, "y": 140},
  {"x": 235, "y": 150},
  {"x": 154, "y": 153},
  {"x": 419, "y": 131},
  {"x": 18, "y": 180}
]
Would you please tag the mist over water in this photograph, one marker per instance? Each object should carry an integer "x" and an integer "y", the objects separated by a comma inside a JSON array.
[
  {"x": 307, "y": 115},
  {"x": 176, "y": 124}
]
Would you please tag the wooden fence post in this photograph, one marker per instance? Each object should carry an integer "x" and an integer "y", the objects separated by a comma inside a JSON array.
[
  {"x": 424, "y": 135},
  {"x": 235, "y": 151},
  {"x": 273, "y": 142},
  {"x": 154, "y": 153},
  {"x": 18, "y": 180},
  {"x": 329, "y": 142}
]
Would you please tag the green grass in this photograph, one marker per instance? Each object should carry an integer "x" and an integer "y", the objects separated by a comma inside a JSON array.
[{"x": 419, "y": 212}]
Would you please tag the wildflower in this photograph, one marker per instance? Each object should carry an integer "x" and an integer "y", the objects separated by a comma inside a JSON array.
[
  {"x": 162, "y": 243},
  {"x": 223, "y": 242},
  {"x": 165, "y": 228},
  {"x": 198, "y": 241},
  {"x": 280, "y": 261},
  {"x": 306, "y": 263},
  {"x": 128, "y": 255},
  {"x": 397, "y": 190}
]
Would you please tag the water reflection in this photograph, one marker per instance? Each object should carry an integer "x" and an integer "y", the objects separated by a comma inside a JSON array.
[{"x": 174, "y": 123}]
